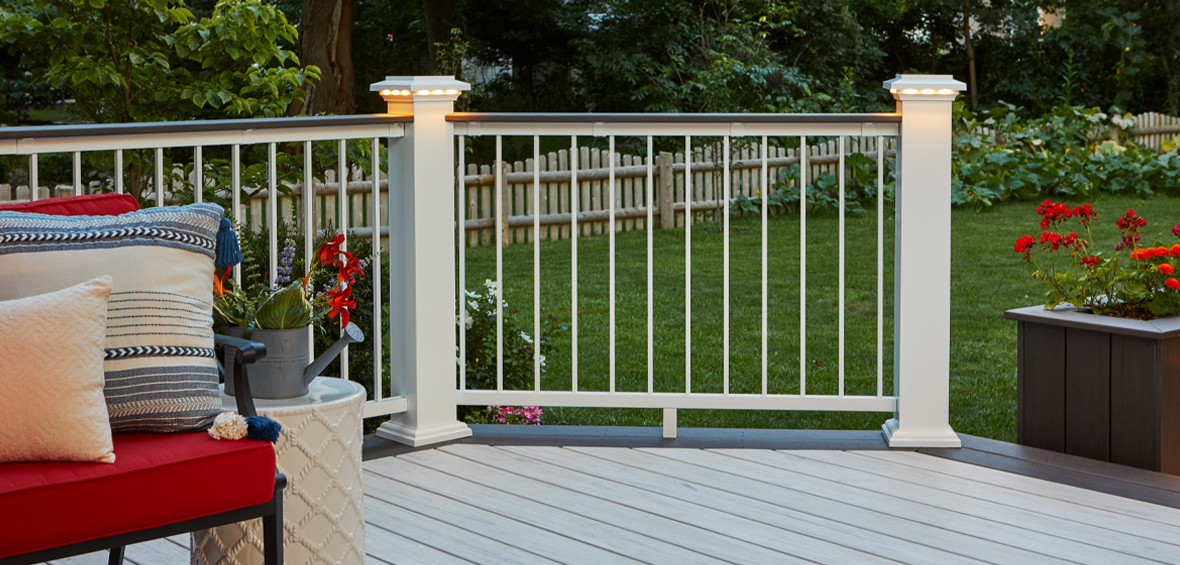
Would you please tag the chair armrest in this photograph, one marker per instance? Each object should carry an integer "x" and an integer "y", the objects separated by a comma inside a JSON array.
[{"x": 246, "y": 352}]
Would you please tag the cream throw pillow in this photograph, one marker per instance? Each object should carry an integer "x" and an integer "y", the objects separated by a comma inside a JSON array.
[{"x": 51, "y": 376}]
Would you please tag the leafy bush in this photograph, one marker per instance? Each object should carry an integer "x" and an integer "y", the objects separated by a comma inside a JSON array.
[{"x": 1063, "y": 153}]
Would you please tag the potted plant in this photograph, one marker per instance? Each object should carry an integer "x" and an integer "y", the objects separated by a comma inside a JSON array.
[
  {"x": 1098, "y": 365},
  {"x": 279, "y": 318}
]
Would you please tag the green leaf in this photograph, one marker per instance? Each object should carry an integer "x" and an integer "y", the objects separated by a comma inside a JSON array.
[{"x": 285, "y": 309}]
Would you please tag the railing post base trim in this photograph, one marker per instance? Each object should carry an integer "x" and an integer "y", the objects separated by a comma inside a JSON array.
[
  {"x": 895, "y": 436},
  {"x": 418, "y": 437}
]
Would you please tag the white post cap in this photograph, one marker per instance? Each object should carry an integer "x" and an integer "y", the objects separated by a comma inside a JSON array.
[
  {"x": 420, "y": 87},
  {"x": 924, "y": 87}
]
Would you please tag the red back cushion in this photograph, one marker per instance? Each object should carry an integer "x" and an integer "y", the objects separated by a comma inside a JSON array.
[{"x": 85, "y": 205}]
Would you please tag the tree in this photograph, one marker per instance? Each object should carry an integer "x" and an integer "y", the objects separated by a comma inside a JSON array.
[
  {"x": 326, "y": 27},
  {"x": 141, "y": 60}
]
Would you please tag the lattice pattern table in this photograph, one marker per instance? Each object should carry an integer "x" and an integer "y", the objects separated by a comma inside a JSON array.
[{"x": 323, "y": 505}]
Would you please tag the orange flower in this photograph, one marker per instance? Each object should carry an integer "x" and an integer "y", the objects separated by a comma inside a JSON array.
[
  {"x": 1175, "y": 250},
  {"x": 219, "y": 282},
  {"x": 1161, "y": 251},
  {"x": 1165, "y": 269},
  {"x": 1172, "y": 284},
  {"x": 1138, "y": 254}
]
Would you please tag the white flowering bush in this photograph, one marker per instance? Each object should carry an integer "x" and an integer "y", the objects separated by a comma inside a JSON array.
[{"x": 519, "y": 345}]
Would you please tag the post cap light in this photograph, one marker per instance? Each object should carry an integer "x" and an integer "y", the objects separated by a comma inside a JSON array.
[
  {"x": 419, "y": 88},
  {"x": 924, "y": 87}
]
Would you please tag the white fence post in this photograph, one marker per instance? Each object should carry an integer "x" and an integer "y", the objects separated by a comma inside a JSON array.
[
  {"x": 922, "y": 270},
  {"x": 422, "y": 305}
]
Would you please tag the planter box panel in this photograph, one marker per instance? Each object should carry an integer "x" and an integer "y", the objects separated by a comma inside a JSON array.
[
  {"x": 1170, "y": 402},
  {"x": 1042, "y": 421},
  {"x": 1134, "y": 426},
  {"x": 1087, "y": 393}
]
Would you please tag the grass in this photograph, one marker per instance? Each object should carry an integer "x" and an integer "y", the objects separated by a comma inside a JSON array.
[{"x": 987, "y": 279}]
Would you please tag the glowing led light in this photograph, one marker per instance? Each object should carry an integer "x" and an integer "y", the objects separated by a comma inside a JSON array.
[
  {"x": 423, "y": 92},
  {"x": 452, "y": 91},
  {"x": 927, "y": 91},
  {"x": 406, "y": 93},
  {"x": 436, "y": 92},
  {"x": 946, "y": 91},
  {"x": 892, "y": 91},
  {"x": 910, "y": 91},
  {"x": 385, "y": 93}
]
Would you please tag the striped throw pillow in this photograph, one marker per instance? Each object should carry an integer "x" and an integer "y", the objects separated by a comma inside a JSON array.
[{"x": 159, "y": 367}]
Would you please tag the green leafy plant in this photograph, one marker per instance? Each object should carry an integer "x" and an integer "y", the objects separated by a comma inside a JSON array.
[{"x": 1140, "y": 285}]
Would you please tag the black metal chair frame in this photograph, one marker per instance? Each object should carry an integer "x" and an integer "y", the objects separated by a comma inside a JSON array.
[{"x": 244, "y": 353}]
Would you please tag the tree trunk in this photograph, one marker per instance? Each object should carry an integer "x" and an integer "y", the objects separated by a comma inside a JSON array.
[
  {"x": 441, "y": 17},
  {"x": 971, "y": 86},
  {"x": 325, "y": 40}
]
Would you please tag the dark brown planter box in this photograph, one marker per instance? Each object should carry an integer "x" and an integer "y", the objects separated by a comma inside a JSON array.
[{"x": 1099, "y": 387}]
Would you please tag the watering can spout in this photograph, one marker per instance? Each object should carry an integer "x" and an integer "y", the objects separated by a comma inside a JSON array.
[{"x": 351, "y": 334}]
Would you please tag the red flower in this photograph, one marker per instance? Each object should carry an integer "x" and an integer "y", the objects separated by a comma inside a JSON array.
[
  {"x": 1175, "y": 250},
  {"x": 1172, "y": 284},
  {"x": 1130, "y": 221},
  {"x": 1086, "y": 214},
  {"x": 1050, "y": 239},
  {"x": 1091, "y": 262},
  {"x": 1053, "y": 213},
  {"x": 1024, "y": 244},
  {"x": 350, "y": 269},
  {"x": 338, "y": 299},
  {"x": 1165, "y": 269},
  {"x": 328, "y": 252}
]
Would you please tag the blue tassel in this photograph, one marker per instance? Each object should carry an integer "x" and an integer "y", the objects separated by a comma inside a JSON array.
[
  {"x": 263, "y": 428},
  {"x": 228, "y": 251}
]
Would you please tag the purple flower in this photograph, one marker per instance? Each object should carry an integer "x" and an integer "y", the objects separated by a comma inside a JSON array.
[{"x": 286, "y": 265}]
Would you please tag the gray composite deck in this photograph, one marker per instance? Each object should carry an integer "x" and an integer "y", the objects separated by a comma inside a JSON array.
[{"x": 478, "y": 503}]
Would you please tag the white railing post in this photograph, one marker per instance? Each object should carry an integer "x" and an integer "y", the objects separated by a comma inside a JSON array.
[
  {"x": 422, "y": 305},
  {"x": 922, "y": 270}
]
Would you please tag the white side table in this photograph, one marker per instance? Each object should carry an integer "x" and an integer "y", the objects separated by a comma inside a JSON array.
[{"x": 323, "y": 505}]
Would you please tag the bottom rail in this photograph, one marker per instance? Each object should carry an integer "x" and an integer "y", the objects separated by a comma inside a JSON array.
[{"x": 679, "y": 400}]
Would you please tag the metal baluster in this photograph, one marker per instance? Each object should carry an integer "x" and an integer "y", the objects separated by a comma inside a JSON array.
[
  {"x": 462, "y": 262},
  {"x": 342, "y": 206},
  {"x": 765, "y": 197},
  {"x": 501, "y": 233},
  {"x": 198, "y": 175},
  {"x": 537, "y": 263},
  {"x": 78, "y": 191},
  {"x": 33, "y": 181},
  {"x": 235, "y": 166},
  {"x": 375, "y": 274},
  {"x": 687, "y": 264},
  {"x": 272, "y": 211},
  {"x": 159, "y": 176},
  {"x": 880, "y": 263},
  {"x": 725, "y": 180},
  {"x": 802, "y": 265},
  {"x": 611, "y": 244},
  {"x": 574, "y": 195},
  {"x": 650, "y": 306},
  {"x": 840, "y": 151},
  {"x": 309, "y": 230},
  {"x": 119, "y": 171}
]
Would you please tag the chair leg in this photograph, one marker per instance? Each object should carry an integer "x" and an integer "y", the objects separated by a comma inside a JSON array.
[
  {"x": 116, "y": 556},
  {"x": 272, "y": 534}
]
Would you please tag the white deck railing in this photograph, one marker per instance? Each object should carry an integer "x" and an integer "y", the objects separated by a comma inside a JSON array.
[
  {"x": 426, "y": 143},
  {"x": 294, "y": 134},
  {"x": 761, "y": 127}
]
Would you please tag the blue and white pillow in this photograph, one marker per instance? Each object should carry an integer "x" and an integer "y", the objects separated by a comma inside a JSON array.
[{"x": 161, "y": 375}]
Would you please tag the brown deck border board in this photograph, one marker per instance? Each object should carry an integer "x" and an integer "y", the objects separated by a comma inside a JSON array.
[{"x": 1098, "y": 476}]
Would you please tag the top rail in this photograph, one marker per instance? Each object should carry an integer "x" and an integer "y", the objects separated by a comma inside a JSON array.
[
  {"x": 99, "y": 137},
  {"x": 737, "y": 125}
]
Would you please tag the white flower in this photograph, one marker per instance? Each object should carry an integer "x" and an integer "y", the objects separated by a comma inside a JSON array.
[
  {"x": 542, "y": 360},
  {"x": 470, "y": 321},
  {"x": 228, "y": 425},
  {"x": 526, "y": 337},
  {"x": 473, "y": 295},
  {"x": 490, "y": 284},
  {"x": 473, "y": 305}
]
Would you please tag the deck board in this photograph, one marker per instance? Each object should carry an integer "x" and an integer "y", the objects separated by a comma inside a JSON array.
[{"x": 585, "y": 503}]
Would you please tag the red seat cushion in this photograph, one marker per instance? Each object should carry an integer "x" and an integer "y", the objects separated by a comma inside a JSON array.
[
  {"x": 156, "y": 479},
  {"x": 84, "y": 205}
]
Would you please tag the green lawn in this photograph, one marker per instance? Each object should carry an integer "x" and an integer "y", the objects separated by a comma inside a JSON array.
[{"x": 987, "y": 278}]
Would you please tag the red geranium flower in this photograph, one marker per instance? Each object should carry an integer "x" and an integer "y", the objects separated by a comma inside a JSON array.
[
  {"x": 1165, "y": 269},
  {"x": 1172, "y": 284},
  {"x": 1053, "y": 213}
]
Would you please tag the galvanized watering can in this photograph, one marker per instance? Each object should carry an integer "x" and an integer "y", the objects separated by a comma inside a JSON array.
[{"x": 285, "y": 371}]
